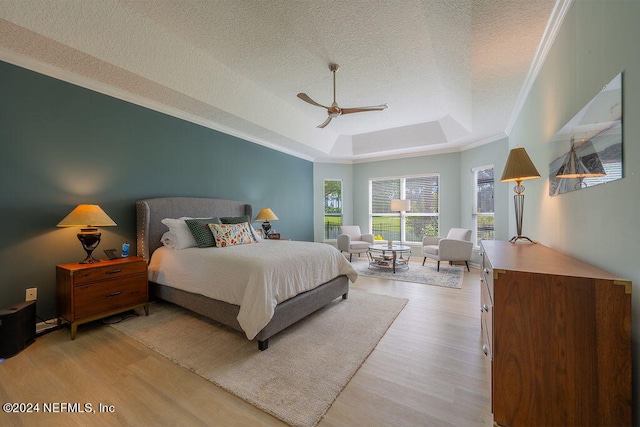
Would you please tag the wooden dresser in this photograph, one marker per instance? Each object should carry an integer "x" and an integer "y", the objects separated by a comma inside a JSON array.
[
  {"x": 87, "y": 292},
  {"x": 557, "y": 335}
]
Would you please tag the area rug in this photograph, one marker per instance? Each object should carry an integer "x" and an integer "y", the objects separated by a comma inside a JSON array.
[
  {"x": 448, "y": 276},
  {"x": 301, "y": 373}
]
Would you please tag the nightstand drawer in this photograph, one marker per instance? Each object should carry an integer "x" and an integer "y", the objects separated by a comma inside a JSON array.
[
  {"x": 108, "y": 272},
  {"x": 101, "y": 297}
]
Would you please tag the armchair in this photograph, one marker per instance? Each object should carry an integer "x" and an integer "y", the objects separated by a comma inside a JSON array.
[
  {"x": 352, "y": 241},
  {"x": 457, "y": 246}
]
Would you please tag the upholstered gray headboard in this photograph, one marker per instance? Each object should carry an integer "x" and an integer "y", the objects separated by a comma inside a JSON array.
[{"x": 149, "y": 213}]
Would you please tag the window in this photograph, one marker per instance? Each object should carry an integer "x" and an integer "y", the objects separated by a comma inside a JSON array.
[
  {"x": 483, "y": 218},
  {"x": 410, "y": 226},
  {"x": 332, "y": 208}
]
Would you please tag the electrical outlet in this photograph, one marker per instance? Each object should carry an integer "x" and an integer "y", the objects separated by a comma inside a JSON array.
[{"x": 32, "y": 294}]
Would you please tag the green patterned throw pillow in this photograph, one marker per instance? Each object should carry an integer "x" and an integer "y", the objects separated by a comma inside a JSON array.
[
  {"x": 201, "y": 233},
  {"x": 234, "y": 219}
]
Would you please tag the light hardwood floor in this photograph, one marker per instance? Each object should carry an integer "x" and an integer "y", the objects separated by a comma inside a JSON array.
[{"x": 428, "y": 370}]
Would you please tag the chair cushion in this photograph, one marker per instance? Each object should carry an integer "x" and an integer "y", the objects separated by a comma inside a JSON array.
[
  {"x": 459, "y": 234},
  {"x": 430, "y": 249},
  {"x": 360, "y": 245},
  {"x": 351, "y": 230}
]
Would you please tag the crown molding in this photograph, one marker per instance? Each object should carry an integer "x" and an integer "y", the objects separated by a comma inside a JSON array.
[{"x": 549, "y": 36}]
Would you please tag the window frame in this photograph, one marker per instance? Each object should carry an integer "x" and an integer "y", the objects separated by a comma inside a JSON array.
[
  {"x": 405, "y": 215},
  {"x": 326, "y": 229},
  {"x": 475, "y": 215}
]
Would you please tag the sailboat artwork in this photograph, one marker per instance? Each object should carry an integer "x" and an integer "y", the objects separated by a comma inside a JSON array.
[{"x": 587, "y": 151}]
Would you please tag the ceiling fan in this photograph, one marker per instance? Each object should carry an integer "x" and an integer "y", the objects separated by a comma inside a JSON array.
[{"x": 335, "y": 111}]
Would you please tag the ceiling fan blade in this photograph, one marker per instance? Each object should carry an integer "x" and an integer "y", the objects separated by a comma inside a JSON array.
[
  {"x": 334, "y": 110},
  {"x": 306, "y": 98},
  {"x": 326, "y": 122},
  {"x": 364, "y": 109}
]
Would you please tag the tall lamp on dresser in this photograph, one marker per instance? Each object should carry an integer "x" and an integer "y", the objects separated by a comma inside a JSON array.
[{"x": 518, "y": 168}]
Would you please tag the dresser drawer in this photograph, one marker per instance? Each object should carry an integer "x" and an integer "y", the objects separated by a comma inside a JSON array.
[
  {"x": 108, "y": 272},
  {"x": 101, "y": 297},
  {"x": 486, "y": 307},
  {"x": 487, "y": 278}
]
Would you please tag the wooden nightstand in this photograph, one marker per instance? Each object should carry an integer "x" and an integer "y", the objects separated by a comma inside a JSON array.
[{"x": 87, "y": 292}]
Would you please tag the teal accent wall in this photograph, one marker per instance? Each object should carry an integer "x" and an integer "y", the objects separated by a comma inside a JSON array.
[{"x": 62, "y": 145}]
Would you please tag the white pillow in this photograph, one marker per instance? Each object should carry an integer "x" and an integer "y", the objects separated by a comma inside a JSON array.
[
  {"x": 168, "y": 239},
  {"x": 180, "y": 236},
  {"x": 256, "y": 236}
]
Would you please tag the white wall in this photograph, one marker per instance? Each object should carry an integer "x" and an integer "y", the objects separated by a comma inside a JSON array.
[
  {"x": 447, "y": 165},
  {"x": 356, "y": 187},
  {"x": 456, "y": 187}
]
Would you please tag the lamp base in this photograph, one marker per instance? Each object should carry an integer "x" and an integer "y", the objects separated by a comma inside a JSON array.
[
  {"x": 518, "y": 201},
  {"x": 266, "y": 228},
  {"x": 90, "y": 239},
  {"x": 89, "y": 260},
  {"x": 516, "y": 238}
]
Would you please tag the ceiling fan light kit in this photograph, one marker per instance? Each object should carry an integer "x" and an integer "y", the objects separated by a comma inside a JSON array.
[{"x": 334, "y": 110}]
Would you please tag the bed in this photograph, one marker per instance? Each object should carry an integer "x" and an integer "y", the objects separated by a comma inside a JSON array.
[{"x": 288, "y": 309}]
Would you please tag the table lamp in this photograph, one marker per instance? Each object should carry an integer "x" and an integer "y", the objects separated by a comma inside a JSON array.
[
  {"x": 265, "y": 215},
  {"x": 399, "y": 205},
  {"x": 89, "y": 217},
  {"x": 519, "y": 167}
]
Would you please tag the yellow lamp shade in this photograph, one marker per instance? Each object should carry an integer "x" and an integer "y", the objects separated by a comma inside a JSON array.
[
  {"x": 87, "y": 216},
  {"x": 266, "y": 214},
  {"x": 519, "y": 167}
]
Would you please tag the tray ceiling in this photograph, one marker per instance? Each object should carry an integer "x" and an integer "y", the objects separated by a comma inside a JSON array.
[{"x": 452, "y": 71}]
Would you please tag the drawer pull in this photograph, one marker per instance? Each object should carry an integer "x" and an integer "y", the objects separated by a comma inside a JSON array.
[
  {"x": 114, "y": 271},
  {"x": 486, "y": 271},
  {"x": 485, "y": 307},
  {"x": 485, "y": 350},
  {"x": 113, "y": 294}
]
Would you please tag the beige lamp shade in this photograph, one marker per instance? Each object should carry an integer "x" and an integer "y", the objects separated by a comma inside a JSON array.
[
  {"x": 266, "y": 214},
  {"x": 87, "y": 216},
  {"x": 398, "y": 205},
  {"x": 519, "y": 167}
]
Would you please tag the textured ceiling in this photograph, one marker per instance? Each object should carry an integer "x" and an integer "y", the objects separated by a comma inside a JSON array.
[{"x": 452, "y": 71}]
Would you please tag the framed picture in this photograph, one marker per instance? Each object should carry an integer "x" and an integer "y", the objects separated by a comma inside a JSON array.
[{"x": 587, "y": 151}]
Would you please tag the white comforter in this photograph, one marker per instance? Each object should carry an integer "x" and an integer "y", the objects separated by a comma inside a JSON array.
[{"x": 256, "y": 276}]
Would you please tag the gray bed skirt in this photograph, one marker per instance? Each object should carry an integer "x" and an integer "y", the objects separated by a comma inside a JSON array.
[{"x": 286, "y": 313}]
